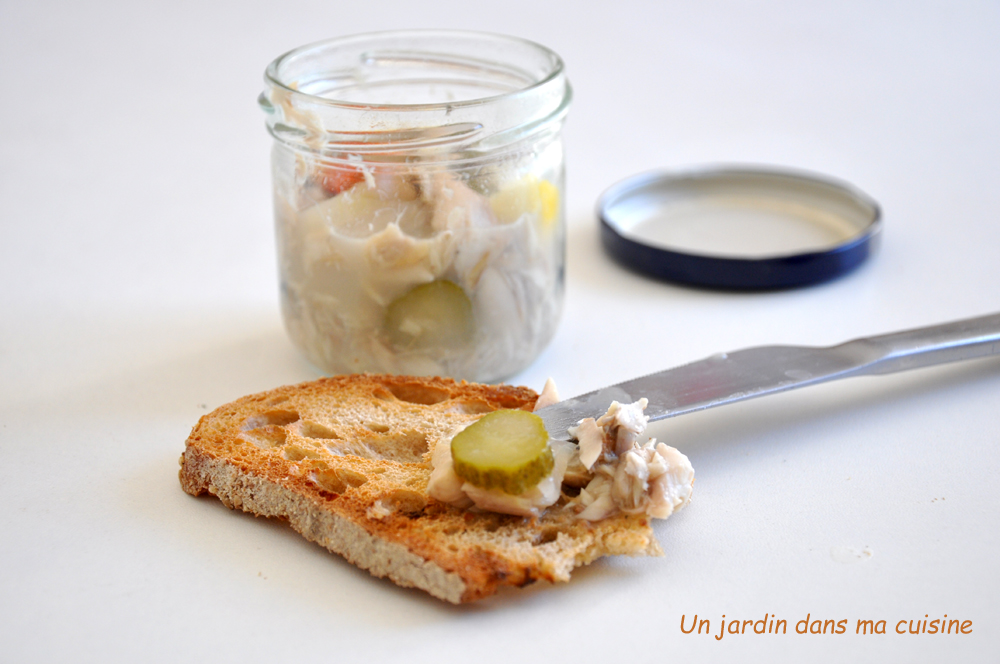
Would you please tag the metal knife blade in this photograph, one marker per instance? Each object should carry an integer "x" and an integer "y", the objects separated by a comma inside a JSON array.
[{"x": 754, "y": 372}]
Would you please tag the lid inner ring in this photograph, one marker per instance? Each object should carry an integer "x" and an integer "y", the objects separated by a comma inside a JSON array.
[{"x": 739, "y": 227}]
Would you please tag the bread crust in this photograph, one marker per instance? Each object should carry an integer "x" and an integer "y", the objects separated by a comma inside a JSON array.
[{"x": 346, "y": 461}]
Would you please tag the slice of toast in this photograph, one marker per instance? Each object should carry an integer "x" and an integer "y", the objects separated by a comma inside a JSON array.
[{"x": 346, "y": 461}]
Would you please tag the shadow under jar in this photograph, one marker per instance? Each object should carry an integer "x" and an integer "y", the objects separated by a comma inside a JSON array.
[{"x": 418, "y": 191}]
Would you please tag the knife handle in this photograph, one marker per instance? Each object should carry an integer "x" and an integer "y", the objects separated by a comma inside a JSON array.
[{"x": 927, "y": 346}]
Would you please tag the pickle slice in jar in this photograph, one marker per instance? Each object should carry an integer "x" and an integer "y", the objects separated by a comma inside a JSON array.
[
  {"x": 506, "y": 449},
  {"x": 433, "y": 315}
]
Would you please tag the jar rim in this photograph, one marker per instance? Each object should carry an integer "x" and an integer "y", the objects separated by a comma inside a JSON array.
[{"x": 273, "y": 77}]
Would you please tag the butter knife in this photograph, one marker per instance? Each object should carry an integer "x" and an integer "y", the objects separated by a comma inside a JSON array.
[{"x": 755, "y": 372}]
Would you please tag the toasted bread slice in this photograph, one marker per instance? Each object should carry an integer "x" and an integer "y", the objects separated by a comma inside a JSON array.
[{"x": 346, "y": 461}]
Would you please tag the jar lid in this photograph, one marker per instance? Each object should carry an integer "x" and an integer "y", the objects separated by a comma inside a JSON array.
[{"x": 741, "y": 228}]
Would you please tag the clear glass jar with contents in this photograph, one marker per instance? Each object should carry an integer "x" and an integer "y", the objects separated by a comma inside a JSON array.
[{"x": 418, "y": 190}]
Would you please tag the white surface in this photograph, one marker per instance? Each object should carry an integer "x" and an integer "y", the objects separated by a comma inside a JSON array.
[{"x": 139, "y": 291}]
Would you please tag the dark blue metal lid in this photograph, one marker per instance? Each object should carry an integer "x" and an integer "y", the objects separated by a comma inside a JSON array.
[{"x": 739, "y": 228}]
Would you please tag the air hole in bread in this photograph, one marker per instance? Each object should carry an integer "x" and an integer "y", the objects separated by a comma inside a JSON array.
[
  {"x": 379, "y": 470},
  {"x": 351, "y": 477},
  {"x": 276, "y": 400},
  {"x": 469, "y": 407},
  {"x": 377, "y": 427},
  {"x": 277, "y": 418},
  {"x": 383, "y": 394},
  {"x": 492, "y": 525},
  {"x": 315, "y": 430},
  {"x": 404, "y": 501},
  {"x": 405, "y": 446},
  {"x": 296, "y": 453},
  {"x": 423, "y": 395},
  {"x": 337, "y": 480},
  {"x": 546, "y": 536},
  {"x": 329, "y": 480},
  {"x": 265, "y": 437}
]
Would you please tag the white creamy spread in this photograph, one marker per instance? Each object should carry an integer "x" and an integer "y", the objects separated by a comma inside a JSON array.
[
  {"x": 617, "y": 473},
  {"x": 649, "y": 478},
  {"x": 549, "y": 395},
  {"x": 346, "y": 258}
]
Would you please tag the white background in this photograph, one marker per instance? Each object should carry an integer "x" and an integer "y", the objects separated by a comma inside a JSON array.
[{"x": 139, "y": 292}]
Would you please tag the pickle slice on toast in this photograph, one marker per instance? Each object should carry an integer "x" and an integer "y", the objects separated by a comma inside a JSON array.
[
  {"x": 433, "y": 315},
  {"x": 506, "y": 449}
]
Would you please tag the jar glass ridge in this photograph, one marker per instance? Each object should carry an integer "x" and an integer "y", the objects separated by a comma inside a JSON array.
[{"x": 419, "y": 192}]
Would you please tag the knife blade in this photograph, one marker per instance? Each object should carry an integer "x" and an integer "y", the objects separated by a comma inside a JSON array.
[{"x": 755, "y": 372}]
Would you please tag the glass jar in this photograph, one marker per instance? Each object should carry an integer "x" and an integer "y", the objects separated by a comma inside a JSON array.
[{"x": 418, "y": 192}]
